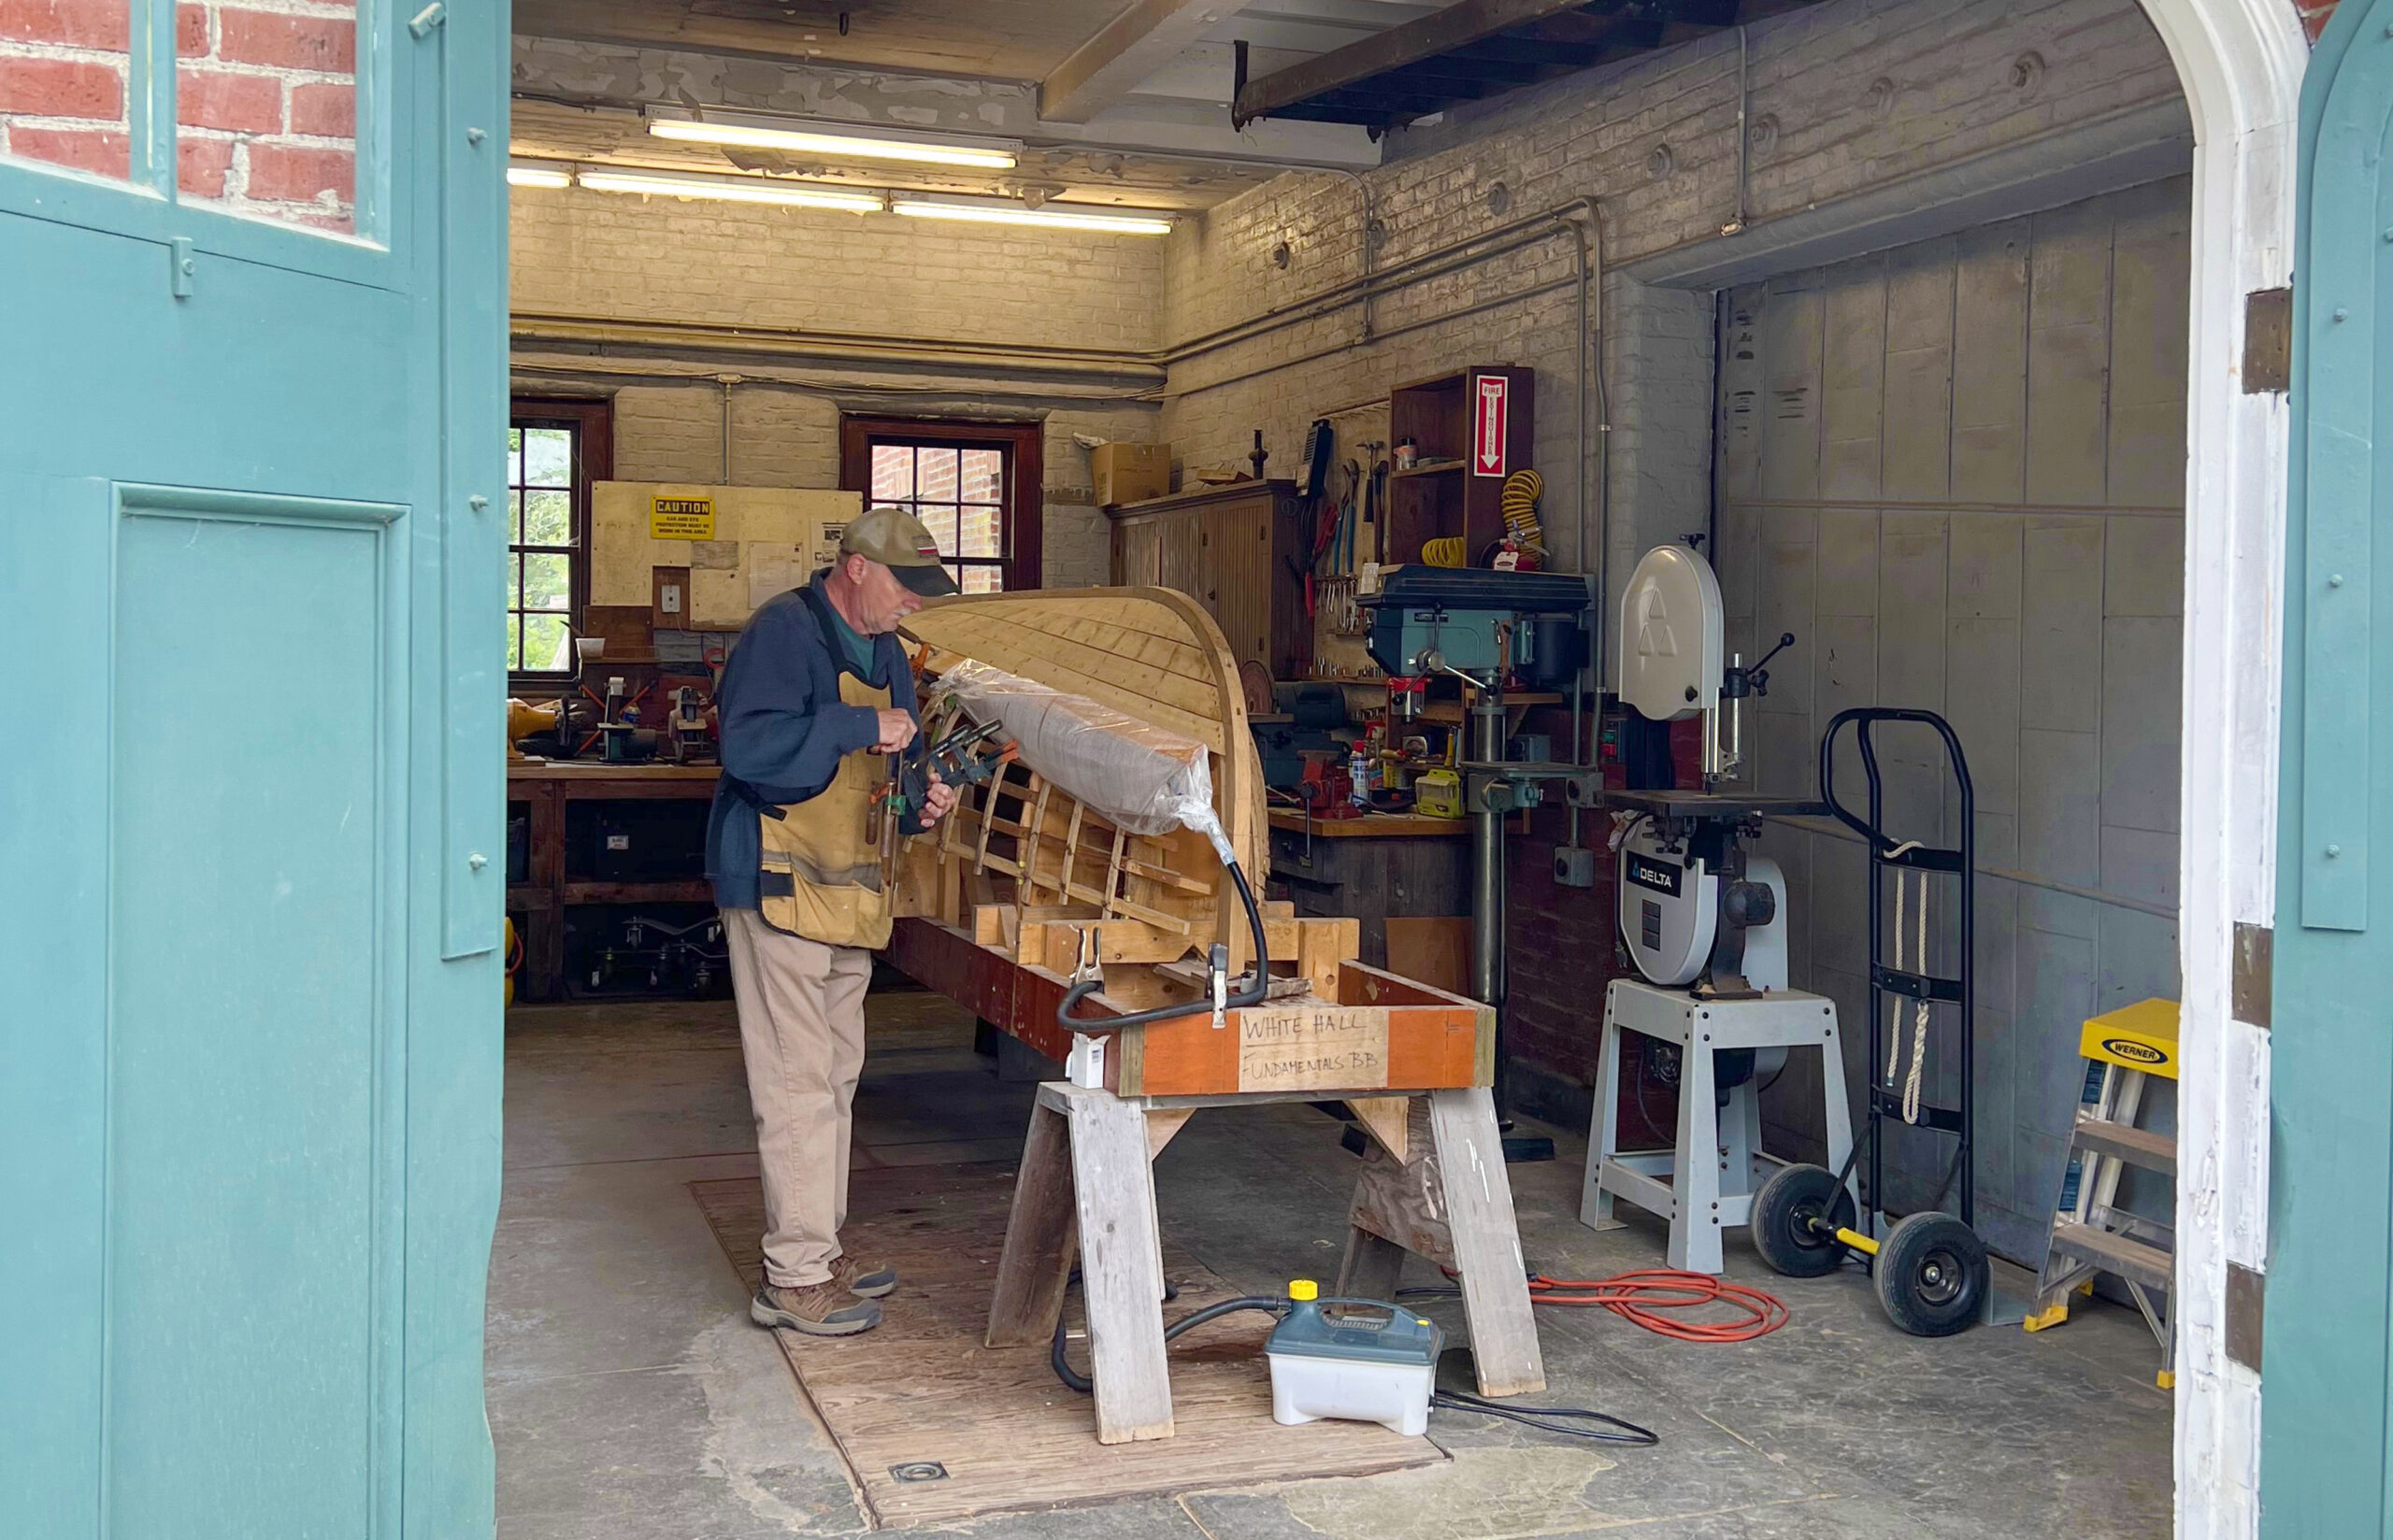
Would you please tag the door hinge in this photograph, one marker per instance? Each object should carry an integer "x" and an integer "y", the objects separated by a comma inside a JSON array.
[
  {"x": 2253, "y": 970},
  {"x": 2267, "y": 341},
  {"x": 2246, "y": 1296},
  {"x": 185, "y": 267},
  {"x": 421, "y": 25}
]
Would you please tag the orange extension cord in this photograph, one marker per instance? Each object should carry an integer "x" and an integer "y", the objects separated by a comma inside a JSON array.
[{"x": 1652, "y": 1297}]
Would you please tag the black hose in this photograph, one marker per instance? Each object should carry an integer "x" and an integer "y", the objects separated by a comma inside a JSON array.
[
  {"x": 1074, "y": 1379},
  {"x": 1252, "y": 993}
]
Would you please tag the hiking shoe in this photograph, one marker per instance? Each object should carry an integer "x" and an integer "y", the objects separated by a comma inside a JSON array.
[
  {"x": 865, "y": 1280},
  {"x": 824, "y": 1309}
]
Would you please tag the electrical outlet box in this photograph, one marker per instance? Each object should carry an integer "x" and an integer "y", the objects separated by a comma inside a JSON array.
[{"x": 1574, "y": 866}]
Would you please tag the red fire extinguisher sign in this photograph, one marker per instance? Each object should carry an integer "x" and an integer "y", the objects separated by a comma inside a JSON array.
[{"x": 1492, "y": 409}]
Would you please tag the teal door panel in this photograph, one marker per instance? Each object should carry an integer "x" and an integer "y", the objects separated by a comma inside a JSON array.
[
  {"x": 286, "y": 1207},
  {"x": 2327, "y": 1370},
  {"x": 249, "y": 897}
]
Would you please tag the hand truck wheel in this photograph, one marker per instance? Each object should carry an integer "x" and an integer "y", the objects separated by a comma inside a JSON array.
[
  {"x": 1796, "y": 1216},
  {"x": 1931, "y": 1275}
]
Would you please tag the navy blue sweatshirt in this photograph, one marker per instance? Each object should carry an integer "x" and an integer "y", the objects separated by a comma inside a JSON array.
[{"x": 784, "y": 728}]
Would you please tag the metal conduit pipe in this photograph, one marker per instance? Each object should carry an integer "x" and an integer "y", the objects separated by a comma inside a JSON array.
[{"x": 1351, "y": 290}]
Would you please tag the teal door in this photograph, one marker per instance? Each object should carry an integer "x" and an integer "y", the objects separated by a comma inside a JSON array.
[
  {"x": 2325, "y": 1372},
  {"x": 251, "y": 402}
]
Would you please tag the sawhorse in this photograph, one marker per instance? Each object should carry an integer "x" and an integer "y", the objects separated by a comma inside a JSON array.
[{"x": 1085, "y": 1186}]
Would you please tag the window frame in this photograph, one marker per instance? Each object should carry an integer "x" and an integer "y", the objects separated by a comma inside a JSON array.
[
  {"x": 1023, "y": 509},
  {"x": 594, "y": 426}
]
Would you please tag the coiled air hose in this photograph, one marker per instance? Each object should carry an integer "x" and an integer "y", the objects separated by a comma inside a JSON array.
[{"x": 1250, "y": 993}]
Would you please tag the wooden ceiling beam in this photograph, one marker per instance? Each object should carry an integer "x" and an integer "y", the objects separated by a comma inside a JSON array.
[
  {"x": 1141, "y": 40},
  {"x": 1416, "y": 41}
]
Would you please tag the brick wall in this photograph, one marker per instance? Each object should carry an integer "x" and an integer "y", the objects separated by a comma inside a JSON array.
[
  {"x": 1655, "y": 141},
  {"x": 266, "y": 100},
  {"x": 609, "y": 256}
]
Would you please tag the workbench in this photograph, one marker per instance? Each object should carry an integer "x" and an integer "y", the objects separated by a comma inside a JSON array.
[
  {"x": 544, "y": 787},
  {"x": 1374, "y": 868}
]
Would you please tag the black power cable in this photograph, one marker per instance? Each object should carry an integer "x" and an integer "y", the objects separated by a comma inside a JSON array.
[{"x": 1252, "y": 993}]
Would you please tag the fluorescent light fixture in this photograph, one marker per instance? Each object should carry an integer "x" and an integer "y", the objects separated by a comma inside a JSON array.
[
  {"x": 848, "y": 140},
  {"x": 730, "y": 189},
  {"x": 1054, "y": 215},
  {"x": 537, "y": 174}
]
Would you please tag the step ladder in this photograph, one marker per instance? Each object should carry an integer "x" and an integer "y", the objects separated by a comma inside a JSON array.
[{"x": 2089, "y": 1234}]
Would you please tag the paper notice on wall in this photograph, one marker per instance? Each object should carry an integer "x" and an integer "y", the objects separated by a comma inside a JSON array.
[
  {"x": 773, "y": 569},
  {"x": 1313, "y": 1048}
]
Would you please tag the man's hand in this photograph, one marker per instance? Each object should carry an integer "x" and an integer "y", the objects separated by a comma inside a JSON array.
[
  {"x": 896, "y": 731},
  {"x": 936, "y": 801}
]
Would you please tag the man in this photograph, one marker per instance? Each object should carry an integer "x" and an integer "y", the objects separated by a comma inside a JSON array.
[{"x": 814, "y": 693}]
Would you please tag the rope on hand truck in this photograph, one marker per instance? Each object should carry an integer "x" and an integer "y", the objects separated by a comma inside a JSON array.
[{"x": 1919, "y": 1003}]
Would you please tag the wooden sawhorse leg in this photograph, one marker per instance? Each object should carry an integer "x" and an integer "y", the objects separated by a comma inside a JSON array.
[
  {"x": 1450, "y": 1200},
  {"x": 1085, "y": 1176}
]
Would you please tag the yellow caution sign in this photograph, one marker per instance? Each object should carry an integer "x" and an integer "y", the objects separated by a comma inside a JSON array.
[
  {"x": 2141, "y": 1036},
  {"x": 680, "y": 517}
]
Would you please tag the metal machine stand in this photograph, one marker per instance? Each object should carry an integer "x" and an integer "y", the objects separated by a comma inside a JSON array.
[{"x": 1706, "y": 1181}]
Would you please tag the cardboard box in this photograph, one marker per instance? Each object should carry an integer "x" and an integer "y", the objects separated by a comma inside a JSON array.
[{"x": 1130, "y": 473}]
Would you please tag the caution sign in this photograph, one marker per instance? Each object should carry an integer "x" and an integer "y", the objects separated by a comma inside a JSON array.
[{"x": 680, "y": 517}]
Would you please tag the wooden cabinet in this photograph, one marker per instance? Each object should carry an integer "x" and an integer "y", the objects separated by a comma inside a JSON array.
[
  {"x": 1473, "y": 429},
  {"x": 1240, "y": 551}
]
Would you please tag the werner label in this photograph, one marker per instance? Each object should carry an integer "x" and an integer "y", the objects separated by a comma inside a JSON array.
[
  {"x": 1317, "y": 1048},
  {"x": 680, "y": 517}
]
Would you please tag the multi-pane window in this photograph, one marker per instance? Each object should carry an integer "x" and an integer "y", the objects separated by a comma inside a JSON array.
[
  {"x": 960, "y": 495},
  {"x": 544, "y": 545}
]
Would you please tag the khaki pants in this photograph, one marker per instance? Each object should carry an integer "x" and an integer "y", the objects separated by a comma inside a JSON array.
[{"x": 801, "y": 1030}]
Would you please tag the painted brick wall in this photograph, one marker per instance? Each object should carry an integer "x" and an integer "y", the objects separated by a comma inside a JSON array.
[
  {"x": 266, "y": 101},
  {"x": 1955, "y": 471},
  {"x": 1655, "y": 142},
  {"x": 609, "y": 256}
]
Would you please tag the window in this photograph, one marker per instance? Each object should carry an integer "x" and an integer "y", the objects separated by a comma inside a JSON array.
[
  {"x": 975, "y": 486},
  {"x": 555, "y": 450}
]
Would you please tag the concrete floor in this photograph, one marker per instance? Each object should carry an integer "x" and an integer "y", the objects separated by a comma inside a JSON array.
[{"x": 630, "y": 1398}]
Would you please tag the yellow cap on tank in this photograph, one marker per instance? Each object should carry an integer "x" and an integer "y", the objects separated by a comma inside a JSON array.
[{"x": 1301, "y": 1290}]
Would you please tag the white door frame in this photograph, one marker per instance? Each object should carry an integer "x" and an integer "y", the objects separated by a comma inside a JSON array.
[{"x": 2240, "y": 63}]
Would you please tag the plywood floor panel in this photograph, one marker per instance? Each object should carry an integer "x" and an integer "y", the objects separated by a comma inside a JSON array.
[{"x": 922, "y": 1387}]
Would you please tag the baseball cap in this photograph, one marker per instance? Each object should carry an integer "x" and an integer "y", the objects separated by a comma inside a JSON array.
[{"x": 897, "y": 541}]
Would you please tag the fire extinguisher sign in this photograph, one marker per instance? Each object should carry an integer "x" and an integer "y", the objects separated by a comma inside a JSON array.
[{"x": 1488, "y": 418}]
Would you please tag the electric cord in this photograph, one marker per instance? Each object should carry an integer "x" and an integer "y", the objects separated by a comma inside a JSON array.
[
  {"x": 1651, "y": 1298},
  {"x": 1614, "y": 1429},
  {"x": 1252, "y": 993}
]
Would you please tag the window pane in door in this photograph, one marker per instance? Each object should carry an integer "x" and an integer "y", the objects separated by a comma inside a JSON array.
[
  {"x": 892, "y": 472},
  {"x": 981, "y": 580},
  {"x": 265, "y": 102},
  {"x": 69, "y": 109}
]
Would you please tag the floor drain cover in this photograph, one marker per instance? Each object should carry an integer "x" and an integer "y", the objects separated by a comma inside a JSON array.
[{"x": 919, "y": 1470}]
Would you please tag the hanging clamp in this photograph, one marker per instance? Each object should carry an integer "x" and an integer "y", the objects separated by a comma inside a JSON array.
[{"x": 1220, "y": 960}]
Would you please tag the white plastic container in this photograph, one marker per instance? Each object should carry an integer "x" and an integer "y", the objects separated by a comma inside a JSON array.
[{"x": 1360, "y": 1369}]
